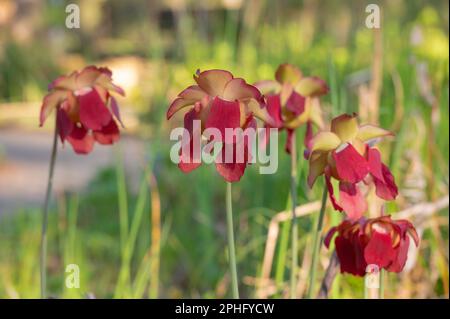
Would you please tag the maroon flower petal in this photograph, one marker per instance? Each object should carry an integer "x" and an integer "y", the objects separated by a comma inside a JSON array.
[
  {"x": 401, "y": 256},
  {"x": 93, "y": 112},
  {"x": 386, "y": 187},
  {"x": 65, "y": 125},
  {"x": 189, "y": 160},
  {"x": 296, "y": 103},
  {"x": 350, "y": 165},
  {"x": 352, "y": 200},
  {"x": 374, "y": 161},
  {"x": 274, "y": 109},
  {"x": 223, "y": 115},
  {"x": 359, "y": 243},
  {"x": 406, "y": 227},
  {"x": 81, "y": 141},
  {"x": 231, "y": 172},
  {"x": 109, "y": 134},
  {"x": 348, "y": 254},
  {"x": 379, "y": 250}
]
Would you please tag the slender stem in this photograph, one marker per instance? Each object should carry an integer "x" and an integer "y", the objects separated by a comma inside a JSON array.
[
  {"x": 316, "y": 244},
  {"x": 43, "y": 255},
  {"x": 231, "y": 250},
  {"x": 294, "y": 231},
  {"x": 382, "y": 275}
]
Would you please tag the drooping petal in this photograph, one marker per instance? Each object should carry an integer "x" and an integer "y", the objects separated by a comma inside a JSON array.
[
  {"x": 368, "y": 132},
  {"x": 401, "y": 256},
  {"x": 379, "y": 250},
  {"x": 345, "y": 126},
  {"x": 374, "y": 161},
  {"x": 274, "y": 109},
  {"x": 213, "y": 81},
  {"x": 386, "y": 188},
  {"x": 351, "y": 200},
  {"x": 311, "y": 86},
  {"x": 50, "y": 102},
  {"x": 347, "y": 254},
  {"x": 238, "y": 89},
  {"x": 65, "y": 125},
  {"x": 232, "y": 171},
  {"x": 109, "y": 134},
  {"x": 350, "y": 165},
  {"x": 81, "y": 141},
  {"x": 190, "y": 160},
  {"x": 224, "y": 114},
  {"x": 359, "y": 243},
  {"x": 325, "y": 141},
  {"x": 317, "y": 163},
  {"x": 287, "y": 73},
  {"x": 333, "y": 200},
  {"x": 93, "y": 112}
]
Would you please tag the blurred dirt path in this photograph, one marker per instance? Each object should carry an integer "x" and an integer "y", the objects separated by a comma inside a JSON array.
[{"x": 24, "y": 158}]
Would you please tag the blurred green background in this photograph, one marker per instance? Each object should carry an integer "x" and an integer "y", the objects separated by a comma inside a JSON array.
[{"x": 107, "y": 223}]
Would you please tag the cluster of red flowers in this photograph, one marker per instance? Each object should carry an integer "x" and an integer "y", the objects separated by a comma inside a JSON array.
[{"x": 87, "y": 112}]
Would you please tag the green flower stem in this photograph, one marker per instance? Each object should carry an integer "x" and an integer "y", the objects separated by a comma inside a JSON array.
[
  {"x": 294, "y": 228},
  {"x": 382, "y": 275},
  {"x": 43, "y": 253},
  {"x": 316, "y": 245},
  {"x": 231, "y": 249}
]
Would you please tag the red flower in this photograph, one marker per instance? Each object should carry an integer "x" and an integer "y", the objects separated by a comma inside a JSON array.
[
  {"x": 219, "y": 101},
  {"x": 345, "y": 154},
  {"x": 85, "y": 108},
  {"x": 380, "y": 241},
  {"x": 292, "y": 100}
]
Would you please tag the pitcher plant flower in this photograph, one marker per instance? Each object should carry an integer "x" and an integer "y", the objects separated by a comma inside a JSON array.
[
  {"x": 346, "y": 153},
  {"x": 221, "y": 101},
  {"x": 378, "y": 241},
  {"x": 86, "y": 111},
  {"x": 293, "y": 100}
]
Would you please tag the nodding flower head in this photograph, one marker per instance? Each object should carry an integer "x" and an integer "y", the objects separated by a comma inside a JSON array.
[
  {"x": 219, "y": 100},
  {"x": 85, "y": 109},
  {"x": 293, "y": 100},
  {"x": 379, "y": 241},
  {"x": 346, "y": 154}
]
